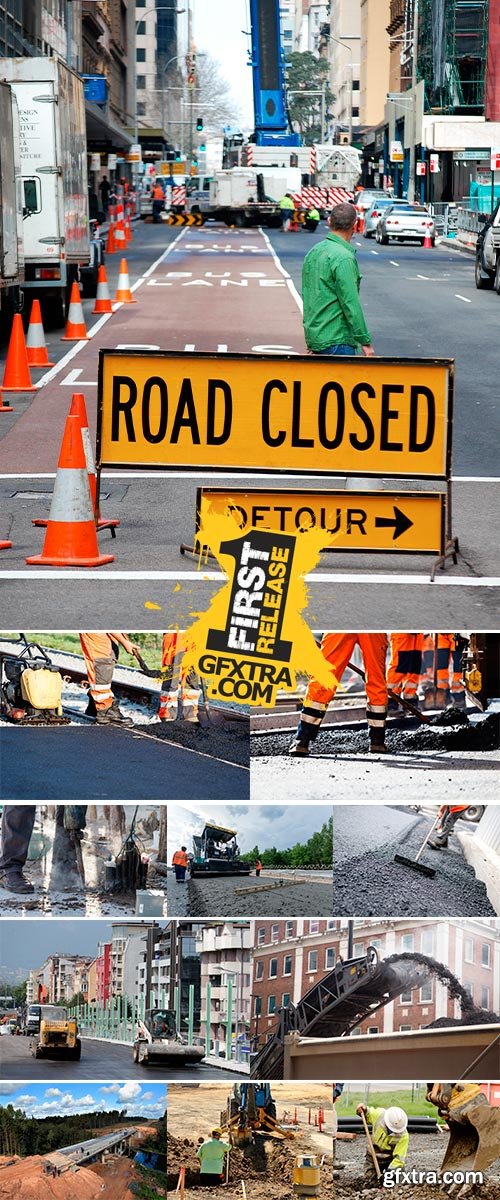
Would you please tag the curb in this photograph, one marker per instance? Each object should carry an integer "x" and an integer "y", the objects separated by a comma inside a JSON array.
[{"x": 453, "y": 244}]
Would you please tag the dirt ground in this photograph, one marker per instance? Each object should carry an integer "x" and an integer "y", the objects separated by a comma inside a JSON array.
[
  {"x": 426, "y": 1153},
  {"x": 267, "y": 1166},
  {"x": 202, "y": 897},
  {"x": 26, "y": 1180}
]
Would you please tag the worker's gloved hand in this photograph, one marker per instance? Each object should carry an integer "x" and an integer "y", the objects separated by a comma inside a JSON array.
[
  {"x": 361, "y": 1109},
  {"x": 75, "y": 817}
]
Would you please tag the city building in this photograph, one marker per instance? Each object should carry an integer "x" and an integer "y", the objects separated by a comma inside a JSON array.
[
  {"x": 60, "y": 977},
  {"x": 225, "y": 950},
  {"x": 103, "y": 973},
  {"x": 128, "y": 941},
  {"x": 374, "y": 56},
  {"x": 92, "y": 982},
  {"x": 340, "y": 41},
  {"x": 290, "y": 956}
]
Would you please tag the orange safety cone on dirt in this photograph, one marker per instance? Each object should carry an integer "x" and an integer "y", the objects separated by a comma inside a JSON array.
[
  {"x": 16, "y": 376},
  {"x": 123, "y": 293},
  {"x": 78, "y": 409},
  {"x": 103, "y": 299},
  {"x": 110, "y": 242},
  {"x": 427, "y": 239},
  {"x": 71, "y": 537},
  {"x": 75, "y": 325},
  {"x": 35, "y": 342}
]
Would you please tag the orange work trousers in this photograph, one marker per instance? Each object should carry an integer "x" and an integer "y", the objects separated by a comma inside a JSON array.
[
  {"x": 100, "y": 662},
  {"x": 405, "y": 667},
  {"x": 442, "y": 663},
  {"x": 176, "y": 684},
  {"x": 337, "y": 648}
]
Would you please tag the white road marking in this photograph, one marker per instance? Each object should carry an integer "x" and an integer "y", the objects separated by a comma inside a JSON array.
[
  {"x": 214, "y": 474},
  {"x": 464, "y": 298},
  {"x": 423, "y": 276},
  {"x": 74, "y": 377},
  {"x": 373, "y": 251},
  {"x": 205, "y": 576},
  {"x": 290, "y": 284},
  {"x": 393, "y": 264},
  {"x": 49, "y": 375}
]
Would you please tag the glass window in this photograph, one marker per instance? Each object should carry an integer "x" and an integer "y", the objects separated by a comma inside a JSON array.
[
  {"x": 469, "y": 988},
  {"x": 275, "y": 933},
  {"x": 287, "y": 964},
  {"x": 259, "y": 969},
  {"x": 405, "y": 1028},
  {"x": 330, "y": 958},
  {"x": 312, "y": 960},
  {"x": 372, "y": 1029},
  {"x": 426, "y": 992},
  {"x": 313, "y": 926},
  {"x": 485, "y": 954},
  {"x": 271, "y": 1005},
  {"x": 485, "y": 997},
  {"x": 405, "y": 997},
  {"x": 140, "y": 54},
  {"x": 261, "y": 935},
  {"x": 427, "y": 942},
  {"x": 273, "y": 968},
  {"x": 285, "y": 999},
  {"x": 289, "y": 929},
  {"x": 141, "y": 108},
  {"x": 469, "y": 949},
  {"x": 359, "y": 949},
  {"x": 141, "y": 82},
  {"x": 257, "y": 1006},
  {"x": 408, "y": 943}
]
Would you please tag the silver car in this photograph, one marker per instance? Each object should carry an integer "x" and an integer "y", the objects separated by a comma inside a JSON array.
[
  {"x": 375, "y": 210},
  {"x": 405, "y": 222}
]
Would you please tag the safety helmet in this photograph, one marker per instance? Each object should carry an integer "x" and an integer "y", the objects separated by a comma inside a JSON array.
[{"x": 396, "y": 1120}]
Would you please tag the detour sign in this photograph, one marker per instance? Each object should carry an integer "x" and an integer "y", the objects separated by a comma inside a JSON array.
[{"x": 300, "y": 414}]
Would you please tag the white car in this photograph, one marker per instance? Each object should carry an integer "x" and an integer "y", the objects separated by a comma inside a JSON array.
[{"x": 405, "y": 222}]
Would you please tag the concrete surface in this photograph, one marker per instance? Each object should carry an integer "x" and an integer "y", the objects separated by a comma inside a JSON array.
[
  {"x": 99, "y": 1061},
  {"x": 366, "y": 778}
]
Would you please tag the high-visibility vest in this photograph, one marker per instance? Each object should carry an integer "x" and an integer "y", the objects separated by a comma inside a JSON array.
[{"x": 180, "y": 859}]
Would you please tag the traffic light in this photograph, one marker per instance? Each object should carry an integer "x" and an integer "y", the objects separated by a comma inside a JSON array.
[{"x": 199, "y": 124}]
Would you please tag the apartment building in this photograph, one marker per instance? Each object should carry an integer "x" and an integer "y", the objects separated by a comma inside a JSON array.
[{"x": 225, "y": 950}]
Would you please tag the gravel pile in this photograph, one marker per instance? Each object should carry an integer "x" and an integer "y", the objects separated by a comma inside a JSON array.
[
  {"x": 426, "y": 1153},
  {"x": 440, "y": 736}
]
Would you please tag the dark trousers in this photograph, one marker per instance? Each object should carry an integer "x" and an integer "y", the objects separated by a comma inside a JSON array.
[
  {"x": 17, "y": 827},
  {"x": 180, "y": 873}
]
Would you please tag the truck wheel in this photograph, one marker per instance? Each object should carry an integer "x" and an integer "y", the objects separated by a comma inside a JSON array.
[
  {"x": 39, "y": 1052},
  {"x": 481, "y": 279},
  {"x": 77, "y": 1052},
  {"x": 135, "y": 1053},
  {"x": 496, "y": 281}
]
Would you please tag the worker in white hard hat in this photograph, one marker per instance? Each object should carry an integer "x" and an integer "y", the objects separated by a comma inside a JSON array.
[{"x": 389, "y": 1136}]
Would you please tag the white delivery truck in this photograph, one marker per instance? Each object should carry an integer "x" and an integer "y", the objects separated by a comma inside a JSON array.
[
  {"x": 11, "y": 212},
  {"x": 242, "y": 196},
  {"x": 57, "y": 245}
]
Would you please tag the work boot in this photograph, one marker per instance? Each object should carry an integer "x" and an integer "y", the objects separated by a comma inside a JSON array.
[
  {"x": 378, "y": 747},
  {"x": 298, "y": 749},
  {"x": 112, "y": 716},
  {"x": 91, "y": 710},
  {"x": 441, "y": 845},
  {"x": 15, "y": 881},
  {"x": 393, "y": 707},
  {"x": 459, "y": 701}
]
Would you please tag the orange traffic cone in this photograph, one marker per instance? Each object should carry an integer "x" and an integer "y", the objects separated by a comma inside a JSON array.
[
  {"x": 127, "y": 225},
  {"x": 35, "y": 341},
  {"x": 75, "y": 325},
  {"x": 123, "y": 292},
  {"x": 78, "y": 409},
  {"x": 5, "y": 545},
  {"x": 427, "y": 239},
  {"x": 110, "y": 242},
  {"x": 5, "y": 407},
  {"x": 16, "y": 376},
  {"x": 119, "y": 228},
  {"x": 360, "y": 227},
  {"x": 103, "y": 299},
  {"x": 71, "y": 537}
]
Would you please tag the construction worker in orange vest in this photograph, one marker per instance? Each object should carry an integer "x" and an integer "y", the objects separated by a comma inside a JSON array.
[
  {"x": 337, "y": 648},
  {"x": 100, "y": 651},
  {"x": 442, "y": 670},
  {"x": 180, "y": 863},
  {"x": 449, "y": 814},
  {"x": 258, "y": 867},
  {"x": 177, "y": 685},
  {"x": 405, "y": 667},
  {"x": 158, "y": 197}
]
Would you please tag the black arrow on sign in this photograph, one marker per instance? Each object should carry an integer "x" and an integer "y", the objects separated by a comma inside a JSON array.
[{"x": 400, "y": 522}]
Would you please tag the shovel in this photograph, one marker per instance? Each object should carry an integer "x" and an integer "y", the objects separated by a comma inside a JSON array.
[{"x": 371, "y": 1149}]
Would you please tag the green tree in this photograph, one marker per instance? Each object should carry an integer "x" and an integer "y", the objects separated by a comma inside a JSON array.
[{"x": 307, "y": 73}]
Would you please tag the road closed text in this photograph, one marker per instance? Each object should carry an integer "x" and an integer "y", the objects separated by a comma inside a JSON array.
[{"x": 298, "y": 414}]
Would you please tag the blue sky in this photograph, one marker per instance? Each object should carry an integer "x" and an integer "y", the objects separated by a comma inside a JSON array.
[
  {"x": 218, "y": 26},
  {"x": 45, "y": 1099}
]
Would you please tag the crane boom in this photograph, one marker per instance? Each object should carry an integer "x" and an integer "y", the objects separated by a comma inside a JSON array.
[{"x": 272, "y": 126}]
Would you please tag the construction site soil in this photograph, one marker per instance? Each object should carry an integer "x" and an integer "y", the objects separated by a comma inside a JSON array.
[
  {"x": 426, "y": 1153},
  {"x": 375, "y": 885},
  {"x": 221, "y": 895},
  {"x": 266, "y": 1167},
  {"x": 447, "y": 732}
]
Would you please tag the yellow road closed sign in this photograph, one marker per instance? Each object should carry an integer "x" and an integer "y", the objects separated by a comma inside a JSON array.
[
  {"x": 296, "y": 414},
  {"x": 406, "y": 522}
]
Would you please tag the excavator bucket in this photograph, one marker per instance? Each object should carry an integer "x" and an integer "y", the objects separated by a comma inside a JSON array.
[{"x": 474, "y": 1139}]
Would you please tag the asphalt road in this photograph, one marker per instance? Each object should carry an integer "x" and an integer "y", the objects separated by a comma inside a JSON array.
[
  {"x": 214, "y": 289},
  {"x": 100, "y": 1060},
  {"x": 89, "y": 763}
]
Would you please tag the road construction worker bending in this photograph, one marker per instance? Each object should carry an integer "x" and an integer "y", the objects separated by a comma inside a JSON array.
[
  {"x": 442, "y": 677},
  {"x": 449, "y": 814},
  {"x": 178, "y": 686},
  {"x": 312, "y": 219},
  {"x": 287, "y": 210},
  {"x": 17, "y": 828},
  {"x": 403, "y": 675},
  {"x": 180, "y": 863},
  {"x": 390, "y": 1139},
  {"x": 100, "y": 651},
  {"x": 211, "y": 1155},
  {"x": 337, "y": 648}
]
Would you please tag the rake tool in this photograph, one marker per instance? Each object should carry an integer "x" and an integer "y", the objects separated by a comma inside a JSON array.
[{"x": 414, "y": 863}]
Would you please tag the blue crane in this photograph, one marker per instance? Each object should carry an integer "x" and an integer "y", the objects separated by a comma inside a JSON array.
[{"x": 272, "y": 122}]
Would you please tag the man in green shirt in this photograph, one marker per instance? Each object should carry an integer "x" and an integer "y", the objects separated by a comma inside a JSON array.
[
  {"x": 211, "y": 1155},
  {"x": 333, "y": 317}
]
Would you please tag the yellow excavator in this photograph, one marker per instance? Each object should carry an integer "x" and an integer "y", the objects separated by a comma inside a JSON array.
[
  {"x": 251, "y": 1111},
  {"x": 474, "y": 1125}
]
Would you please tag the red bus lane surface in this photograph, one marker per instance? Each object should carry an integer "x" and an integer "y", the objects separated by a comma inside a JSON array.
[{"x": 213, "y": 289}]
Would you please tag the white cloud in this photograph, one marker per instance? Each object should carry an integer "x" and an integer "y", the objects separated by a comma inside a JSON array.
[
  {"x": 129, "y": 1091},
  {"x": 147, "y": 1096},
  {"x": 52, "y": 1092},
  {"x": 111, "y": 1090},
  {"x": 26, "y": 1100},
  {"x": 8, "y": 1089}
]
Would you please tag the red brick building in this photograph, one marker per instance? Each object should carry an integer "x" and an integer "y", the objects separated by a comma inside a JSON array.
[
  {"x": 290, "y": 956},
  {"x": 103, "y": 973}
]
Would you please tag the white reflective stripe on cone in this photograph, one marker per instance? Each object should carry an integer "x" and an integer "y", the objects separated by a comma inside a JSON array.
[
  {"x": 87, "y": 450},
  {"x": 71, "y": 496},
  {"x": 35, "y": 339}
]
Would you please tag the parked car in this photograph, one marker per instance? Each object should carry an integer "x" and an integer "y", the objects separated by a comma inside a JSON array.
[
  {"x": 376, "y": 209},
  {"x": 366, "y": 196},
  {"x": 487, "y": 267},
  {"x": 405, "y": 222}
]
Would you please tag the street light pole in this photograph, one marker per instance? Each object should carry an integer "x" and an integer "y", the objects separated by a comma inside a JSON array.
[{"x": 414, "y": 56}]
